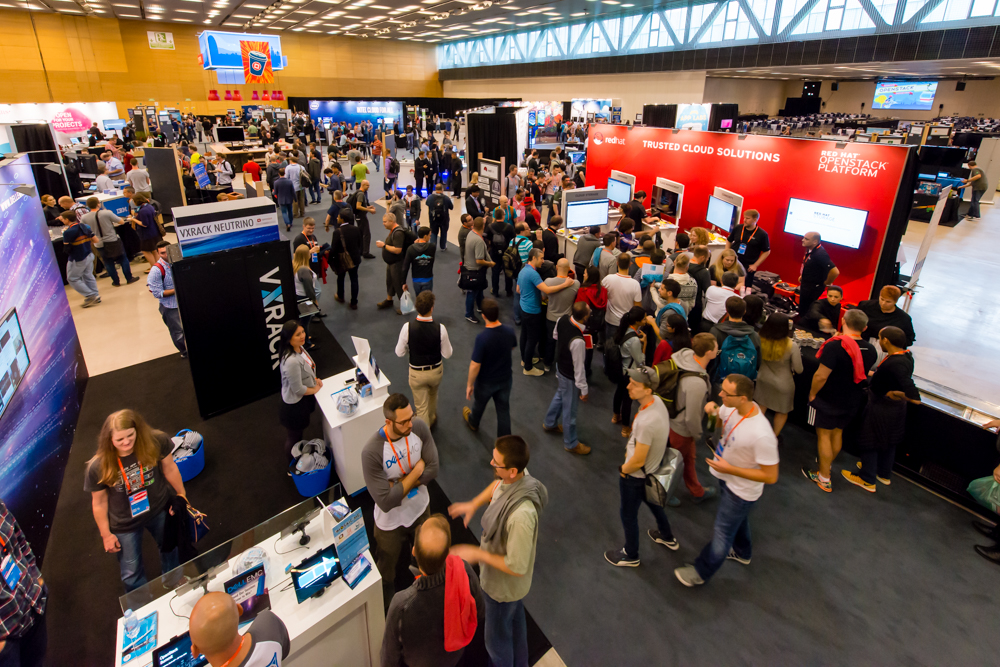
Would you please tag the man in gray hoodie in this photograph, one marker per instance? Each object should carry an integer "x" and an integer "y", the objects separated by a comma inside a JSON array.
[
  {"x": 692, "y": 394},
  {"x": 586, "y": 244}
]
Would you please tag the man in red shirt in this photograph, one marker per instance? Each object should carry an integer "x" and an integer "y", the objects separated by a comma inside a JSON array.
[
  {"x": 252, "y": 168},
  {"x": 532, "y": 213}
]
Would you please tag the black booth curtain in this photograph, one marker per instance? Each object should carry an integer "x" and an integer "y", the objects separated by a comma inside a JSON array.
[
  {"x": 38, "y": 137},
  {"x": 887, "y": 273},
  {"x": 492, "y": 134},
  {"x": 659, "y": 115},
  {"x": 721, "y": 112}
]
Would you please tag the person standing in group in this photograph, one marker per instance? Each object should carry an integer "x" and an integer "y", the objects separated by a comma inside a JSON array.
[
  {"x": 883, "y": 312},
  {"x": 439, "y": 206},
  {"x": 307, "y": 286},
  {"x": 606, "y": 258},
  {"x": 530, "y": 287},
  {"x": 392, "y": 255},
  {"x": 420, "y": 260},
  {"x": 838, "y": 391},
  {"x": 463, "y": 234},
  {"x": 345, "y": 251},
  {"x": 686, "y": 426},
  {"x": 214, "y": 627},
  {"x": 746, "y": 459},
  {"x": 253, "y": 169},
  {"x": 818, "y": 271},
  {"x": 506, "y": 555},
  {"x": 428, "y": 346},
  {"x": 139, "y": 178},
  {"x": 161, "y": 284},
  {"x": 624, "y": 294},
  {"x": 511, "y": 182},
  {"x": 976, "y": 179},
  {"x": 362, "y": 207},
  {"x": 884, "y": 425},
  {"x": 144, "y": 223},
  {"x": 274, "y": 166},
  {"x": 77, "y": 237},
  {"x": 571, "y": 375},
  {"x": 689, "y": 286},
  {"x": 308, "y": 238},
  {"x": 499, "y": 235},
  {"x": 491, "y": 370},
  {"x": 780, "y": 360},
  {"x": 476, "y": 258},
  {"x": 293, "y": 172},
  {"x": 130, "y": 480},
  {"x": 751, "y": 243},
  {"x": 631, "y": 343},
  {"x": 223, "y": 171},
  {"x": 717, "y": 295},
  {"x": 398, "y": 461},
  {"x": 23, "y": 600},
  {"x": 335, "y": 208},
  {"x": 586, "y": 245},
  {"x": 647, "y": 445},
  {"x": 284, "y": 195},
  {"x": 421, "y": 170},
  {"x": 430, "y": 623},
  {"x": 698, "y": 269},
  {"x": 106, "y": 242},
  {"x": 473, "y": 206},
  {"x": 455, "y": 174},
  {"x": 560, "y": 303},
  {"x": 299, "y": 383}
]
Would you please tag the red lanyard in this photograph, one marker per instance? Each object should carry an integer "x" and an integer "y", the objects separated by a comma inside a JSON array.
[
  {"x": 637, "y": 414},
  {"x": 226, "y": 663},
  {"x": 727, "y": 437},
  {"x": 309, "y": 359},
  {"x": 751, "y": 235},
  {"x": 398, "y": 460},
  {"x": 142, "y": 477},
  {"x": 890, "y": 355}
]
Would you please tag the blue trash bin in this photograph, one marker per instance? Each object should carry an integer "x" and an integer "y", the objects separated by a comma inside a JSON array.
[
  {"x": 314, "y": 482},
  {"x": 191, "y": 466}
]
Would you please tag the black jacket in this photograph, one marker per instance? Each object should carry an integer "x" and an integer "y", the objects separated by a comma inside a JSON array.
[
  {"x": 473, "y": 207},
  {"x": 349, "y": 237},
  {"x": 177, "y": 531}
]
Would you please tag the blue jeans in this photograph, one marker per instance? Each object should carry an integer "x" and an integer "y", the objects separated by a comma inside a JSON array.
[
  {"x": 442, "y": 228},
  {"x": 633, "y": 495},
  {"x": 473, "y": 296},
  {"x": 506, "y": 633},
  {"x": 109, "y": 265},
  {"x": 974, "y": 206},
  {"x": 80, "y": 276},
  {"x": 130, "y": 557},
  {"x": 566, "y": 402},
  {"x": 732, "y": 530},
  {"x": 427, "y": 286},
  {"x": 316, "y": 189},
  {"x": 286, "y": 210},
  {"x": 499, "y": 392}
]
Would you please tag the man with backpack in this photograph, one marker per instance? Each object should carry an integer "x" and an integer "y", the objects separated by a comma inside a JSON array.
[
  {"x": 698, "y": 269},
  {"x": 439, "y": 206},
  {"x": 571, "y": 353},
  {"x": 362, "y": 207},
  {"x": 739, "y": 343},
  {"x": 420, "y": 258},
  {"x": 514, "y": 259},
  {"x": 393, "y": 253},
  {"x": 500, "y": 234}
]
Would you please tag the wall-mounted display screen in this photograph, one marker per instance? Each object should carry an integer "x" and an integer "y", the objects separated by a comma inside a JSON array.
[
  {"x": 580, "y": 214},
  {"x": 912, "y": 95},
  {"x": 619, "y": 191},
  {"x": 230, "y": 134},
  {"x": 720, "y": 213},
  {"x": 835, "y": 224},
  {"x": 726, "y": 123},
  {"x": 14, "y": 359}
]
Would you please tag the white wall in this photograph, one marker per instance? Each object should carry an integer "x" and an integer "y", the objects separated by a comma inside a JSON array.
[
  {"x": 634, "y": 90},
  {"x": 980, "y": 98},
  {"x": 753, "y": 95}
]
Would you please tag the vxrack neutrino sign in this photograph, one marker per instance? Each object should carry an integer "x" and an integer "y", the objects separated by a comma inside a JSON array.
[{"x": 206, "y": 228}]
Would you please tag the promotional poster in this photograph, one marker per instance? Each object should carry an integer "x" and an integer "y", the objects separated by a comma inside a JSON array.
[
  {"x": 355, "y": 111},
  {"x": 41, "y": 408},
  {"x": 693, "y": 116},
  {"x": 256, "y": 61},
  {"x": 205, "y": 228},
  {"x": 768, "y": 172},
  {"x": 67, "y": 120}
]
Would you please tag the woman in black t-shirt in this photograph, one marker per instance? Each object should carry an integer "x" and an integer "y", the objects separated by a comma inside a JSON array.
[{"x": 132, "y": 480}]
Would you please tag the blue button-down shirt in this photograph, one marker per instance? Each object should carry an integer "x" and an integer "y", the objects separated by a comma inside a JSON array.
[{"x": 160, "y": 279}]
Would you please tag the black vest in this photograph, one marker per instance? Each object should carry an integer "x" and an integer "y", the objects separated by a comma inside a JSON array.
[
  {"x": 566, "y": 331},
  {"x": 425, "y": 343}
]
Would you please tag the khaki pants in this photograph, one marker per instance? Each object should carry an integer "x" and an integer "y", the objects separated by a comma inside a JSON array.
[
  {"x": 300, "y": 203},
  {"x": 424, "y": 385},
  {"x": 389, "y": 544}
]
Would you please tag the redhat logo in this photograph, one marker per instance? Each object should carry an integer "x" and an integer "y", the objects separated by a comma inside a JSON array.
[
  {"x": 70, "y": 121},
  {"x": 598, "y": 138}
]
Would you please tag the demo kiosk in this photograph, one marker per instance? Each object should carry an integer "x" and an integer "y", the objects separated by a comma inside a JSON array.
[{"x": 582, "y": 208}]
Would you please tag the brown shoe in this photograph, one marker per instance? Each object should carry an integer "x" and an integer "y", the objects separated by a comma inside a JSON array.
[
  {"x": 580, "y": 449},
  {"x": 354, "y": 306},
  {"x": 555, "y": 429},
  {"x": 626, "y": 431},
  {"x": 338, "y": 299},
  {"x": 466, "y": 413},
  {"x": 382, "y": 305}
]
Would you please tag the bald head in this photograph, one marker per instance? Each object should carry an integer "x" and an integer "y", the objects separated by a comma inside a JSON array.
[
  {"x": 214, "y": 624},
  {"x": 431, "y": 544},
  {"x": 562, "y": 267},
  {"x": 66, "y": 202},
  {"x": 811, "y": 239}
]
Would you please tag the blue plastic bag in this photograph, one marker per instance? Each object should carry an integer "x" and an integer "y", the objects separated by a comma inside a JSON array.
[{"x": 986, "y": 491}]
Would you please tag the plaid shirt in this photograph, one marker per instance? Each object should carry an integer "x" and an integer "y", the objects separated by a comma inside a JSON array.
[{"x": 29, "y": 595}]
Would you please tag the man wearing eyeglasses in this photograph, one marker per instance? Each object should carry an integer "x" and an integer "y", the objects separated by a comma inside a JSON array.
[{"x": 397, "y": 462}]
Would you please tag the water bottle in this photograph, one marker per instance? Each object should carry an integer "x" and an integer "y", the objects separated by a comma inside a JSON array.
[{"x": 131, "y": 624}]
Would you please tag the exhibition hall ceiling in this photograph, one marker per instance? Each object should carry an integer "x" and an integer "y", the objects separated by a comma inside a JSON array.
[
  {"x": 413, "y": 20},
  {"x": 891, "y": 70}
]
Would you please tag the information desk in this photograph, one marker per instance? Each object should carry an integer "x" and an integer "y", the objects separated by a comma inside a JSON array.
[
  {"x": 347, "y": 434},
  {"x": 340, "y": 627},
  {"x": 238, "y": 157},
  {"x": 117, "y": 204}
]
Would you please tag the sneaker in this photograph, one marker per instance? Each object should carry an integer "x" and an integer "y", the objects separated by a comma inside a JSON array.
[
  {"x": 466, "y": 413},
  {"x": 546, "y": 368},
  {"x": 674, "y": 501},
  {"x": 472, "y": 319},
  {"x": 618, "y": 558},
  {"x": 382, "y": 305},
  {"x": 857, "y": 481},
  {"x": 535, "y": 372},
  {"x": 552, "y": 429},
  {"x": 688, "y": 576},
  {"x": 882, "y": 480},
  {"x": 658, "y": 537},
  {"x": 739, "y": 559},
  {"x": 92, "y": 301},
  {"x": 710, "y": 492},
  {"x": 814, "y": 477},
  {"x": 580, "y": 449},
  {"x": 368, "y": 255}
]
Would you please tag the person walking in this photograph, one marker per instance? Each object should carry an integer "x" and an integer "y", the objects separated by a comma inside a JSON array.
[
  {"x": 23, "y": 600},
  {"x": 530, "y": 287},
  {"x": 644, "y": 454},
  {"x": 77, "y": 239},
  {"x": 131, "y": 479},
  {"x": 476, "y": 262},
  {"x": 781, "y": 359},
  {"x": 299, "y": 383},
  {"x": 145, "y": 224},
  {"x": 293, "y": 172},
  {"x": 631, "y": 343},
  {"x": 420, "y": 259},
  {"x": 427, "y": 345},
  {"x": 746, "y": 458},
  {"x": 391, "y": 171},
  {"x": 392, "y": 255},
  {"x": 491, "y": 371},
  {"x": 345, "y": 249},
  {"x": 106, "y": 243},
  {"x": 314, "y": 170},
  {"x": 506, "y": 555},
  {"x": 362, "y": 207},
  {"x": 160, "y": 283},
  {"x": 284, "y": 195},
  {"x": 560, "y": 303},
  {"x": 398, "y": 462},
  {"x": 571, "y": 375},
  {"x": 977, "y": 180},
  {"x": 438, "y": 207},
  {"x": 692, "y": 392}
]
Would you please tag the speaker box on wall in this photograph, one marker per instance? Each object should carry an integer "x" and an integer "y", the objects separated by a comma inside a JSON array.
[
  {"x": 960, "y": 85},
  {"x": 834, "y": 86}
]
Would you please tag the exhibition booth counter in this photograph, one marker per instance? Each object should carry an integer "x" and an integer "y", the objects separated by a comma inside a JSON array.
[{"x": 297, "y": 554}]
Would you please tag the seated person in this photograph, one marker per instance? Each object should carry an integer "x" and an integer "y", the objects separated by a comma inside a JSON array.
[
  {"x": 717, "y": 295},
  {"x": 824, "y": 314},
  {"x": 726, "y": 263}
]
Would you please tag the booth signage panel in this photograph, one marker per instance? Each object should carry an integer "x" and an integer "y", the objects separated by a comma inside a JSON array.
[
  {"x": 489, "y": 179},
  {"x": 67, "y": 120},
  {"x": 693, "y": 116},
  {"x": 220, "y": 226},
  {"x": 768, "y": 172},
  {"x": 354, "y": 111}
]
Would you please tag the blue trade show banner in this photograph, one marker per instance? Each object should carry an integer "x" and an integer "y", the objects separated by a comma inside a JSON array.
[
  {"x": 206, "y": 228},
  {"x": 355, "y": 111}
]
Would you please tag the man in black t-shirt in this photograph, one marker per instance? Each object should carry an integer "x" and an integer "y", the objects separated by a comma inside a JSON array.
[
  {"x": 837, "y": 391},
  {"x": 751, "y": 244},
  {"x": 818, "y": 271},
  {"x": 490, "y": 371},
  {"x": 393, "y": 255}
]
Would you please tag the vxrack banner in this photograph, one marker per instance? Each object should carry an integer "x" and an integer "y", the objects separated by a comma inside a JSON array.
[
  {"x": 210, "y": 232},
  {"x": 768, "y": 172}
]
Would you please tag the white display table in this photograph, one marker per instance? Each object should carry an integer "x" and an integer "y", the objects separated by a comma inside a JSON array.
[
  {"x": 347, "y": 434},
  {"x": 339, "y": 627}
]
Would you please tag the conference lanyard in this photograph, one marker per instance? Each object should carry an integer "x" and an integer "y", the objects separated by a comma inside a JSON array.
[
  {"x": 637, "y": 413},
  {"x": 309, "y": 359},
  {"x": 730, "y": 434},
  {"x": 226, "y": 663},
  {"x": 890, "y": 355},
  {"x": 142, "y": 477},
  {"x": 751, "y": 235},
  {"x": 399, "y": 460}
]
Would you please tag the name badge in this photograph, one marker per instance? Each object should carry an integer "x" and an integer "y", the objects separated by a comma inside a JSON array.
[
  {"x": 413, "y": 492},
  {"x": 742, "y": 250},
  {"x": 139, "y": 502},
  {"x": 10, "y": 571}
]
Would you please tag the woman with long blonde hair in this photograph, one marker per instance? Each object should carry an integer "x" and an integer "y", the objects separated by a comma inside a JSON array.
[
  {"x": 780, "y": 360},
  {"x": 132, "y": 479},
  {"x": 727, "y": 261}
]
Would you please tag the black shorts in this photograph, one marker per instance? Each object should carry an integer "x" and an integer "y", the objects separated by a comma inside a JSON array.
[{"x": 821, "y": 418}]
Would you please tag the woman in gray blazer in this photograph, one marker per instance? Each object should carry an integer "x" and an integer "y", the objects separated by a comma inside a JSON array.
[{"x": 299, "y": 383}]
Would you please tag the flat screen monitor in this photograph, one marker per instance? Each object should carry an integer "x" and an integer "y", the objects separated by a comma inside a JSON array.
[
  {"x": 927, "y": 177},
  {"x": 909, "y": 95},
  {"x": 226, "y": 134},
  {"x": 726, "y": 123},
  {"x": 942, "y": 156},
  {"x": 667, "y": 202},
  {"x": 577, "y": 157},
  {"x": 582, "y": 214},
  {"x": 177, "y": 653},
  {"x": 943, "y": 174},
  {"x": 115, "y": 124},
  {"x": 315, "y": 573},
  {"x": 74, "y": 140},
  {"x": 720, "y": 213},
  {"x": 835, "y": 224},
  {"x": 619, "y": 191},
  {"x": 14, "y": 359}
]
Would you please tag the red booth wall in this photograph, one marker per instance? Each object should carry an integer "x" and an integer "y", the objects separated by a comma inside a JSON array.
[{"x": 767, "y": 172}]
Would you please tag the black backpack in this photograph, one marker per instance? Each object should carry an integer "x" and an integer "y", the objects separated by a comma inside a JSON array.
[
  {"x": 393, "y": 166},
  {"x": 512, "y": 263},
  {"x": 437, "y": 210},
  {"x": 415, "y": 209},
  {"x": 498, "y": 239},
  {"x": 670, "y": 376},
  {"x": 613, "y": 357}
]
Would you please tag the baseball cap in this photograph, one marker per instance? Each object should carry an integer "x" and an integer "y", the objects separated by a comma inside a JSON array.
[{"x": 644, "y": 374}]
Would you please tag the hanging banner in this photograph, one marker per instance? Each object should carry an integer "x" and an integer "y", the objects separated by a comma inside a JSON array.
[
  {"x": 256, "y": 62},
  {"x": 68, "y": 120},
  {"x": 693, "y": 116},
  {"x": 205, "y": 228}
]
